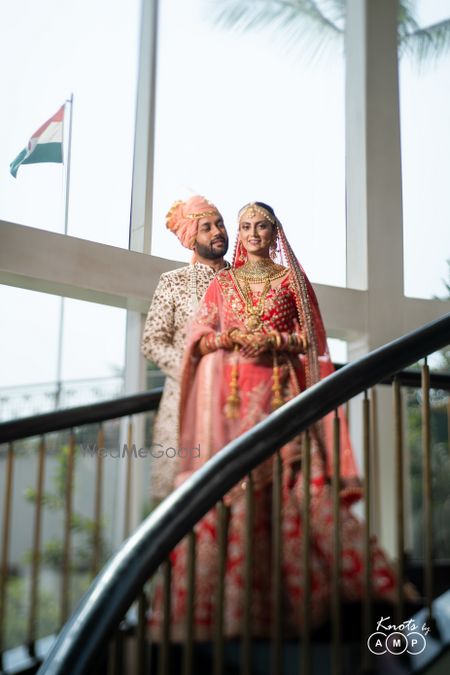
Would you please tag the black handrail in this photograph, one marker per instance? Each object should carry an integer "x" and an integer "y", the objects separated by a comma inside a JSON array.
[
  {"x": 38, "y": 425},
  {"x": 112, "y": 592}
]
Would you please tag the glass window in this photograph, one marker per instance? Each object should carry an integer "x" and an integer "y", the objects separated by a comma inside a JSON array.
[
  {"x": 51, "y": 360},
  {"x": 240, "y": 118},
  {"x": 54, "y": 48},
  {"x": 28, "y": 349},
  {"x": 425, "y": 111}
]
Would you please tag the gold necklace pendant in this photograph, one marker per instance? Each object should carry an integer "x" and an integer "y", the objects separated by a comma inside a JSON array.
[
  {"x": 261, "y": 272},
  {"x": 253, "y": 322}
]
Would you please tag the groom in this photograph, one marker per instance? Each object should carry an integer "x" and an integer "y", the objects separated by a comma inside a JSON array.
[{"x": 199, "y": 226}]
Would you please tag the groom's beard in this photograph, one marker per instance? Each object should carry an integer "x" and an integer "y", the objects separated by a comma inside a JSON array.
[{"x": 213, "y": 251}]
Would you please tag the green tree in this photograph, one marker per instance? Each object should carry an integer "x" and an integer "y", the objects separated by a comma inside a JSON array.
[
  {"x": 318, "y": 24},
  {"x": 83, "y": 527},
  {"x": 444, "y": 354},
  {"x": 440, "y": 456},
  {"x": 440, "y": 471}
]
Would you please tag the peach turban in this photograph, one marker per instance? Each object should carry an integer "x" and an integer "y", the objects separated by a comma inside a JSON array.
[{"x": 183, "y": 218}]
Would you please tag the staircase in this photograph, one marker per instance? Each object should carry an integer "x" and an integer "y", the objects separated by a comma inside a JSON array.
[{"x": 107, "y": 632}]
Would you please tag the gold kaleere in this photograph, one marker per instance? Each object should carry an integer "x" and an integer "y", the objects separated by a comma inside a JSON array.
[
  {"x": 233, "y": 402},
  {"x": 277, "y": 398}
]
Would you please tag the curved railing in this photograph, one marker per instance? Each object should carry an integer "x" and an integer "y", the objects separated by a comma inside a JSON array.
[
  {"x": 116, "y": 587},
  {"x": 38, "y": 425},
  {"x": 38, "y": 431}
]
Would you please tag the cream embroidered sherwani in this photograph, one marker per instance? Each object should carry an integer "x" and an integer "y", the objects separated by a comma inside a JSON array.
[{"x": 174, "y": 303}]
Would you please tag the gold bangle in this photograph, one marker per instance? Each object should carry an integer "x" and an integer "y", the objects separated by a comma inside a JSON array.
[
  {"x": 210, "y": 342},
  {"x": 304, "y": 342},
  {"x": 203, "y": 346},
  {"x": 278, "y": 340},
  {"x": 295, "y": 343}
]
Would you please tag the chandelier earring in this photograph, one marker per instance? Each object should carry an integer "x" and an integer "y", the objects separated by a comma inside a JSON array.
[
  {"x": 242, "y": 256},
  {"x": 234, "y": 251},
  {"x": 274, "y": 250}
]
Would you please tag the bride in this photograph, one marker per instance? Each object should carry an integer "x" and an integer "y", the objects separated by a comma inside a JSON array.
[{"x": 257, "y": 341}]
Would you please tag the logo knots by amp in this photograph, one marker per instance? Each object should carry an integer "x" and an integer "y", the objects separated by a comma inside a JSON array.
[{"x": 407, "y": 637}]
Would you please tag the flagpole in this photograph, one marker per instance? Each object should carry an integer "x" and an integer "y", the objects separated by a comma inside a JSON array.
[
  {"x": 67, "y": 181},
  {"x": 66, "y": 223}
]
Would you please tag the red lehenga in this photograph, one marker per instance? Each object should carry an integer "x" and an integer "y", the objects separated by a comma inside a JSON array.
[{"x": 205, "y": 423}]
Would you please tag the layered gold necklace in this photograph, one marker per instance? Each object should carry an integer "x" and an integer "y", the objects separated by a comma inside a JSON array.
[{"x": 260, "y": 272}]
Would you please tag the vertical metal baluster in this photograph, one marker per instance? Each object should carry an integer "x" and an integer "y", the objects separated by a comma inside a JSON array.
[
  {"x": 65, "y": 590},
  {"x": 222, "y": 526},
  {"x": 399, "y": 497},
  {"x": 116, "y": 658},
  {"x": 246, "y": 664},
  {"x": 375, "y": 459},
  {"x": 97, "y": 552},
  {"x": 190, "y": 607},
  {"x": 163, "y": 666},
  {"x": 5, "y": 542},
  {"x": 427, "y": 495},
  {"x": 277, "y": 557},
  {"x": 111, "y": 658},
  {"x": 141, "y": 665},
  {"x": 337, "y": 558},
  {"x": 306, "y": 518},
  {"x": 127, "y": 519},
  {"x": 367, "y": 528},
  {"x": 448, "y": 419},
  {"x": 36, "y": 551}
]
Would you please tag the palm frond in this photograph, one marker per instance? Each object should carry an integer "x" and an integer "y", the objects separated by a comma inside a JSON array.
[
  {"x": 427, "y": 42},
  {"x": 330, "y": 13},
  {"x": 314, "y": 25},
  {"x": 406, "y": 21},
  {"x": 305, "y": 23},
  {"x": 245, "y": 14}
]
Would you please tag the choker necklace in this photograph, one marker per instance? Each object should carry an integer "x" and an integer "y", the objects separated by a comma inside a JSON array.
[{"x": 260, "y": 271}]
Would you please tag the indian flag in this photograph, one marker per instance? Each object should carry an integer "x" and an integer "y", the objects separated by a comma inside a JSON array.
[{"x": 45, "y": 145}]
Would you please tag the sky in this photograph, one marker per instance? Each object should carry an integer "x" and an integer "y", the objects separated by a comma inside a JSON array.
[
  {"x": 54, "y": 48},
  {"x": 275, "y": 120},
  {"x": 239, "y": 117}
]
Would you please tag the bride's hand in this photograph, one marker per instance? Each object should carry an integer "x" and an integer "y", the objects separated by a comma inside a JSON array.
[
  {"x": 254, "y": 344},
  {"x": 237, "y": 337}
]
